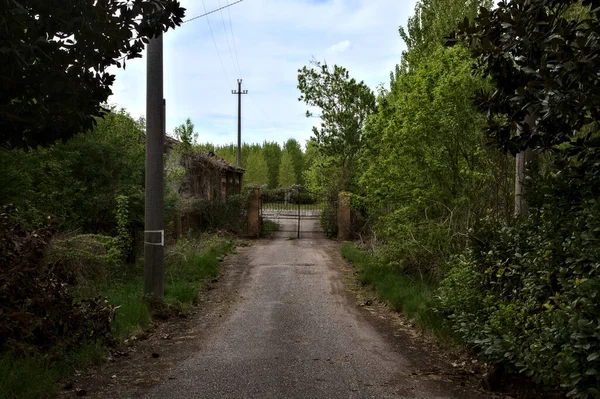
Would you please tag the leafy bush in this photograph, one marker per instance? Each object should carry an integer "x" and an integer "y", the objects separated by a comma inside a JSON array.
[
  {"x": 79, "y": 181},
  {"x": 527, "y": 295},
  {"x": 230, "y": 214},
  {"x": 427, "y": 171},
  {"x": 328, "y": 218},
  {"x": 37, "y": 305},
  {"x": 87, "y": 257}
]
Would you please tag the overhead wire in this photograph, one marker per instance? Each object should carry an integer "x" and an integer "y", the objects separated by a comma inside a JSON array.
[
  {"x": 233, "y": 39},
  {"x": 268, "y": 119},
  {"x": 215, "y": 43},
  {"x": 228, "y": 45},
  {"x": 211, "y": 12},
  {"x": 236, "y": 63}
]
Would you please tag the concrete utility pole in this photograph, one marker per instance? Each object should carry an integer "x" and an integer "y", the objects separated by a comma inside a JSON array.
[
  {"x": 239, "y": 93},
  {"x": 154, "y": 233},
  {"x": 521, "y": 162}
]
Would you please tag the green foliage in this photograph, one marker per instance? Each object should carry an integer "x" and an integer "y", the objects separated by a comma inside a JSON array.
[
  {"x": 229, "y": 214},
  {"x": 269, "y": 225},
  {"x": 287, "y": 175},
  {"x": 132, "y": 311},
  {"x": 77, "y": 182},
  {"x": 328, "y": 218},
  {"x": 427, "y": 170},
  {"x": 257, "y": 172},
  {"x": 404, "y": 292},
  {"x": 175, "y": 178},
  {"x": 16, "y": 375},
  {"x": 345, "y": 105},
  {"x": 18, "y": 372},
  {"x": 293, "y": 148},
  {"x": 185, "y": 133},
  {"x": 252, "y": 160},
  {"x": 272, "y": 152},
  {"x": 552, "y": 74},
  {"x": 90, "y": 258},
  {"x": 54, "y": 57},
  {"x": 38, "y": 307},
  {"x": 228, "y": 153},
  {"x": 527, "y": 296},
  {"x": 432, "y": 22},
  {"x": 189, "y": 265},
  {"x": 124, "y": 236}
]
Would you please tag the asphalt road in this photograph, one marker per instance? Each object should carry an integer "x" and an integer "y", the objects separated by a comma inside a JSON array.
[{"x": 296, "y": 333}]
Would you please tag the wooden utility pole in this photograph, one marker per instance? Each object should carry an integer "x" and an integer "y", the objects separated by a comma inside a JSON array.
[
  {"x": 154, "y": 233},
  {"x": 239, "y": 92}
]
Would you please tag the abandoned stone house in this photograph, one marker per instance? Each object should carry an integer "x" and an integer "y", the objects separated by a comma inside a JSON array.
[
  {"x": 201, "y": 179},
  {"x": 207, "y": 176},
  {"x": 210, "y": 177}
]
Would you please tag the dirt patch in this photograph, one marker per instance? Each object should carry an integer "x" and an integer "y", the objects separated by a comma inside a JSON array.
[{"x": 144, "y": 359}]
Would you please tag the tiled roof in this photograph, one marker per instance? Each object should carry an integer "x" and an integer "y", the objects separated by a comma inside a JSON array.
[{"x": 219, "y": 162}]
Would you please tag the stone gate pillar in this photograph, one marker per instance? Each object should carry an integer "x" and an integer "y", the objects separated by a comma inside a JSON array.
[
  {"x": 343, "y": 215},
  {"x": 254, "y": 212}
]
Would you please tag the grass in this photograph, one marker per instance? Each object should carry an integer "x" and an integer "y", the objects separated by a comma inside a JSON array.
[
  {"x": 189, "y": 265},
  {"x": 133, "y": 313},
  {"x": 36, "y": 375},
  {"x": 269, "y": 225},
  {"x": 411, "y": 295}
]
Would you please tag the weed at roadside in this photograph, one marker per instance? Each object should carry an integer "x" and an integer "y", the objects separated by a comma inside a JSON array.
[
  {"x": 412, "y": 295},
  {"x": 35, "y": 376}
]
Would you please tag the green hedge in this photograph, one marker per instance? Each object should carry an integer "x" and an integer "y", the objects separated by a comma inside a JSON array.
[{"x": 529, "y": 295}]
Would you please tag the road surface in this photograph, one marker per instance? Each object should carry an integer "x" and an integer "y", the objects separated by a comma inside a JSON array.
[{"x": 295, "y": 332}]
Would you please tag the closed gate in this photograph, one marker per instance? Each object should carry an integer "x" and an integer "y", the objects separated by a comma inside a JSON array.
[{"x": 296, "y": 213}]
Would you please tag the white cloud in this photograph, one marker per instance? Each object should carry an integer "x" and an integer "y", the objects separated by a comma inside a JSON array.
[
  {"x": 339, "y": 47},
  {"x": 273, "y": 40}
]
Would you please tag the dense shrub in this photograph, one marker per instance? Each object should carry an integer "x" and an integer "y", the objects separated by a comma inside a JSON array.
[
  {"x": 328, "y": 217},
  {"x": 230, "y": 214},
  {"x": 528, "y": 295},
  {"x": 78, "y": 182},
  {"x": 38, "y": 307},
  {"x": 89, "y": 258}
]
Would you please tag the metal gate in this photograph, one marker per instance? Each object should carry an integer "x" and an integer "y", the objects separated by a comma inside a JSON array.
[{"x": 295, "y": 213}]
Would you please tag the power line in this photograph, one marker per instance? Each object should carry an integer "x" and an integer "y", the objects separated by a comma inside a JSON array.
[
  {"x": 213, "y": 11},
  {"x": 263, "y": 112},
  {"x": 233, "y": 38},
  {"x": 215, "y": 42},
  {"x": 227, "y": 38}
]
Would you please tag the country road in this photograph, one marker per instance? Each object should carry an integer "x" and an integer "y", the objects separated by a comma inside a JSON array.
[
  {"x": 297, "y": 334},
  {"x": 281, "y": 322}
]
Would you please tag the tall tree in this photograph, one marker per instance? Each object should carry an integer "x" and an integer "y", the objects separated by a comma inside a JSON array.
[
  {"x": 433, "y": 21},
  {"x": 185, "y": 133},
  {"x": 257, "y": 172},
  {"x": 345, "y": 105},
  {"x": 287, "y": 175},
  {"x": 295, "y": 150},
  {"x": 272, "y": 151},
  {"x": 227, "y": 152},
  {"x": 54, "y": 56}
]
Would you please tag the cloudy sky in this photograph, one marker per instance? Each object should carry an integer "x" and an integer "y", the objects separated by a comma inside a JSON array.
[{"x": 264, "y": 42}]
